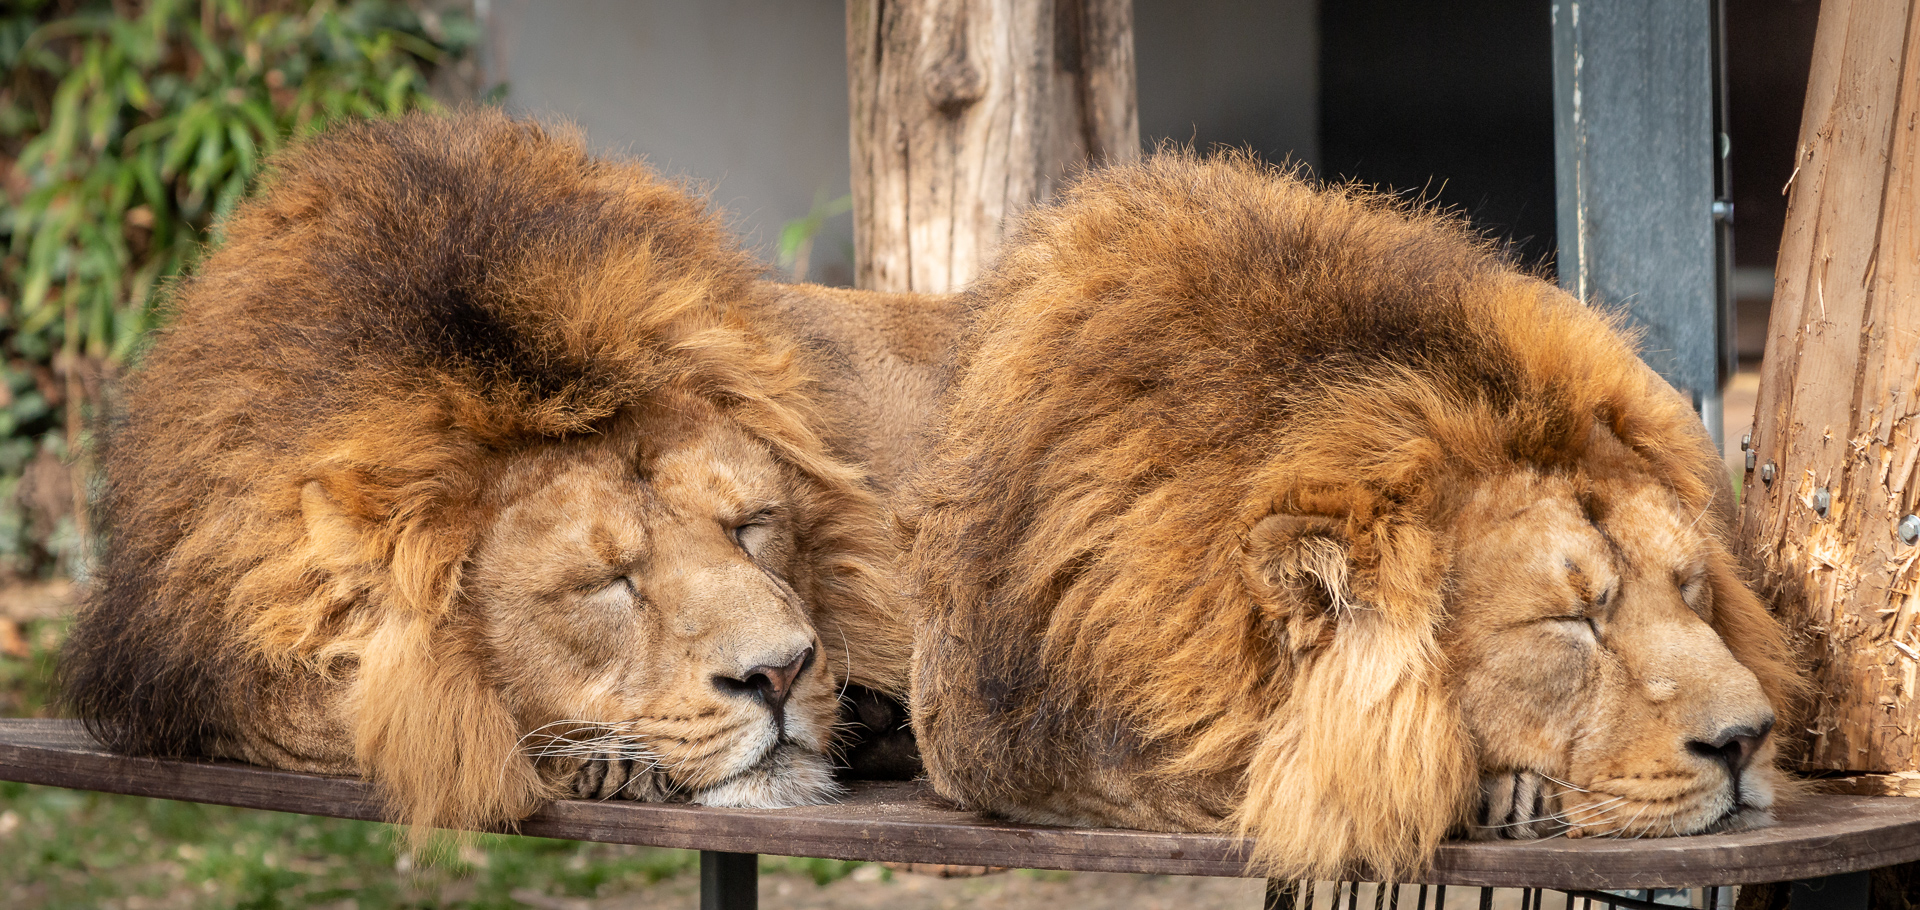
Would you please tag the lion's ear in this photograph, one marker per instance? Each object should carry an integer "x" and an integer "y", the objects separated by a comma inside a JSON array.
[
  {"x": 1355, "y": 602},
  {"x": 1296, "y": 561}
]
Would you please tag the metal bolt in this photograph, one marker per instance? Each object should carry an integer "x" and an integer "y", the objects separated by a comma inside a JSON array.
[
  {"x": 1821, "y": 501},
  {"x": 1909, "y": 529},
  {"x": 1766, "y": 473},
  {"x": 1746, "y": 441},
  {"x": 1751, "y": 458}
]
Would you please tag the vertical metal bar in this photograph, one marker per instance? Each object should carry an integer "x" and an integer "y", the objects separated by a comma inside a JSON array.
[
  {"x": 1422, "y": 905},
  {"x": 1380, "y": 895},
  {"x": 1284, "y": 895},
  {"x": 1393, "y": 896},
  {"x": 1440, "y": 897},
  {"x": 1834, "y": 892},
  {"x": 1635, "y": 157},
  {"x": 729, "y": 881},
  {"x": 1353, "y": 895},
  {"x": 1486, "y": 899}
]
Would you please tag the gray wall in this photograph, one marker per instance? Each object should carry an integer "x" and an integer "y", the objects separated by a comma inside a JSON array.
[
  {"x": 1230, "y": 72},
  {"x": 749, "y": 97}
]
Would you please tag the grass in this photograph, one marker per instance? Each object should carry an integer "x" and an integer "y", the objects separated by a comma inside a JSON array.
[{"x": 70, "y": 848}]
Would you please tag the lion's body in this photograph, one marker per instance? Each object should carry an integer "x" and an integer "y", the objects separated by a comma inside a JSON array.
[
  {"x": 880, "y": 362},
  {"x": 1264, "y": 508},
  {"x": 466, "y": 458}
]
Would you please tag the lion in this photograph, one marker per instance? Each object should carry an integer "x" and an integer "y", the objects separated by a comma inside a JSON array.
[
  {"x": 490, "y": 471},
  {"x": 1300, "y": 513}
]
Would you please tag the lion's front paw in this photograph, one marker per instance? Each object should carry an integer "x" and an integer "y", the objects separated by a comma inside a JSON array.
[
  {"x": 608, "y": 776},
  {"x": 1518, "y": 805}
]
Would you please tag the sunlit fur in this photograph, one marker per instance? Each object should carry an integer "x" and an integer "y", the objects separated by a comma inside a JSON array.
[
  {"x": 1263, "y": 508},
  {"x": 467, "y": 464}
]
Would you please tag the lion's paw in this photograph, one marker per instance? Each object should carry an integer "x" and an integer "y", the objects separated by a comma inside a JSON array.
[
  {"x": 610, "y": 776},
  {"x": 1518, "y": 805}
]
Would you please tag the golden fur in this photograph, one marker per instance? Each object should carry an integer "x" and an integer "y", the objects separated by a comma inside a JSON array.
[
  {"x": 1299, "y": 513},
  {"x": 484, "y": 468}
]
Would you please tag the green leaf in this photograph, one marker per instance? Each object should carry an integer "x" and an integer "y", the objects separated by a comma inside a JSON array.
[
  {"x": 135, "y": 88},
  {"x": 187, "y": 129},
  {"x": 243, "y": 147}
]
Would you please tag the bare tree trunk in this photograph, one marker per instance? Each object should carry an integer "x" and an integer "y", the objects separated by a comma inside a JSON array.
[
  {"x": 1836, "y": 442},
  {"x": 966, "y": 110}
]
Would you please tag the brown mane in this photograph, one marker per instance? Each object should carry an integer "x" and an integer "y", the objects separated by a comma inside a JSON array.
[
  {"x": 405, "y": 304},
  {"x": 1166, "y": 355}
]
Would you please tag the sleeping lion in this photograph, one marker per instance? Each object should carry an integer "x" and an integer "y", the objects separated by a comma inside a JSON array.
[
  {"x": 1299, "y": 513},
  {"x": 487, "y": 470}
]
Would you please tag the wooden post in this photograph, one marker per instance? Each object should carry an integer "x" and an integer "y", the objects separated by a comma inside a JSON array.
[
  {"x": 1836, "y": 438},
  {"x": 966, "y": 110}
]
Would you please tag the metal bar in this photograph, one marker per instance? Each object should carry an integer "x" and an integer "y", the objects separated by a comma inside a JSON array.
[
  {"x": 1621, "y": 900},
  {"x": 1285, "y": 895},
  {"x": 729, "y": 881},
  {"x": 1849, "y": 891},
  {"x": 1635, "y": 158}
]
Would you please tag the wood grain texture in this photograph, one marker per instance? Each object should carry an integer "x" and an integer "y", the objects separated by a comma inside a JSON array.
[
  {"x": 965, "y": 111},
  {"x": 900, "y": 822},
  {"x": 1839, "y": 403}
]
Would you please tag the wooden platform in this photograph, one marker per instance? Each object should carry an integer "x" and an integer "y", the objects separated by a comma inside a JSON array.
[{"x": 1822, "y": 835}]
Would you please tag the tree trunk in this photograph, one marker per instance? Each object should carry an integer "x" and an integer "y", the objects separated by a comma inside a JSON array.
[
  {"x": 1836, "y": 438},
  {"x": 964, "y": 111}
]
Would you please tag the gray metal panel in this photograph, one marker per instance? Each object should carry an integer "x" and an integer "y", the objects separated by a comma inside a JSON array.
[{"x": 1635, "y": 161}]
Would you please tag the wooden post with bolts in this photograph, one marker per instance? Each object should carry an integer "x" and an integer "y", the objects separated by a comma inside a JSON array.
[{"x": 1833, "y": 467}]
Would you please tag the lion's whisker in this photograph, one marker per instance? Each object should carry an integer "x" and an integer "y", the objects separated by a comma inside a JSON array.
[
  {"x": 1565, "y": 784},
  {"x": 847, "y": 678}
]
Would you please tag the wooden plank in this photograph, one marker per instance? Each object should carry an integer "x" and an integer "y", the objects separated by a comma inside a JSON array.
[{"x": 902, "y": 822}]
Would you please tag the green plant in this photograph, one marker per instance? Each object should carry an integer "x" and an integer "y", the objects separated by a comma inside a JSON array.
[
  {"x": 795, "y": 248},
  {"x": 127, "y": 131}
]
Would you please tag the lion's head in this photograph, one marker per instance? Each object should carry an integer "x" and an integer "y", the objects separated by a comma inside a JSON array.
[
  {"x": 1300, "y": 513},
  {"x": 1587, "y": 666},
  {"x": 463, "y": 466}
]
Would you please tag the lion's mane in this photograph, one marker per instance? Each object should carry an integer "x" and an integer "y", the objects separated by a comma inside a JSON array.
[
  {"x": 407, "y": 301},
  {"x": 1166, "y": 355}
]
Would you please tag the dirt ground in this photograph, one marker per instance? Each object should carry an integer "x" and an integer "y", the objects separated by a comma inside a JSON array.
[{"x": 871, "y": 888}]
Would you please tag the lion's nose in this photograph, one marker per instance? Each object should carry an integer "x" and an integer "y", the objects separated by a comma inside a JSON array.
[
  {"x": 770, "y": 684},
  {"x": 1733, "y": 746}
]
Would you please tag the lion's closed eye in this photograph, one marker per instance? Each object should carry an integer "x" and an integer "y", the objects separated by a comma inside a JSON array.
[{"x": 754, "y": 532}]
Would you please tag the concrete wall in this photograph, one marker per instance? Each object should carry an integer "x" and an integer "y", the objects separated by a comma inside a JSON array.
[{"x": 749, "y": 97}]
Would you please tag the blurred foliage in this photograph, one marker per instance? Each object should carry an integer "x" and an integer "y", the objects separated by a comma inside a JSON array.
[
  {"x": 794, "y": 252},
  {"x": 128, "y": 130},
  {"x": 68, "y": 848}
]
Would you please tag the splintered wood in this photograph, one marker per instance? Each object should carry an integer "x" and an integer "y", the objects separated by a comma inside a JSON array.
[
  {"x": 1836, "y": 435},
  {"x": 966, "y": 111}
]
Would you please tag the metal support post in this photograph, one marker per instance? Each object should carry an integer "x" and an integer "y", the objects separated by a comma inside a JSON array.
[
  {"x": 1849, "y": 891},
  {"x": 729, "y": 881},
  {"x": 1639, "y": 176}
]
